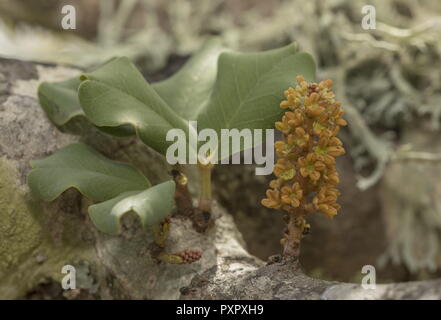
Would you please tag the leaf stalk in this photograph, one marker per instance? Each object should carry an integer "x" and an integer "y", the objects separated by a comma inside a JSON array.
[{"x": 205, "y": 185}]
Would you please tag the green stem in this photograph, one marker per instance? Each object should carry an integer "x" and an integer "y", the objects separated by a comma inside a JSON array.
[{"x": 205, "y": 183}]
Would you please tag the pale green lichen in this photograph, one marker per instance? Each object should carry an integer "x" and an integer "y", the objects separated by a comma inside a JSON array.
[
  {"x": 28, "y": 252},
  {"x": 20, "y": 233}
]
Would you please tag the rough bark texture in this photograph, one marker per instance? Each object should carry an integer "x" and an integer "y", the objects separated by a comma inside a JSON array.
[
  {"x": 238, "y": 278},
  {"x": 37, "y": 239}
]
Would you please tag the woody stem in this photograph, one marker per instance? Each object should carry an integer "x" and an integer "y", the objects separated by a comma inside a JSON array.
[
  {"x": 291, "y": 248},
  {"x": 183, "y": 197}
]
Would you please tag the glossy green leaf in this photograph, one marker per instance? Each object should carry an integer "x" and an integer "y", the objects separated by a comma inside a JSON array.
[
  {"x": 60, "y": 100},
  {"x": 117, "y": 94},
  {"x": 79, "y": 166},
  {"x": 152, "y": 206}
]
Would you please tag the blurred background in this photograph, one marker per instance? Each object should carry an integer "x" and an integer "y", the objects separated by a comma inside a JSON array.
[{"x": 388, "y": 79}]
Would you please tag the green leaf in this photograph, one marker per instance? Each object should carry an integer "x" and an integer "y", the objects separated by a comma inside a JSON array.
[
  {"x": 188, "y": 90},
  {"x": 249, "y": 88},
  {"x": 79, "y": 166},
  {"x": 226, "y": 90},
  {"x": 152, "y": 206},
  {"x": 117, "y": 94},
  {"x": 60, "y": 100},
  {"x": 221, "y": 90},
  {"x": 61, "y": 103}
]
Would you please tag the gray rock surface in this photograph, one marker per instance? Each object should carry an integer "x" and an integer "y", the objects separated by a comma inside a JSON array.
[{"x": 240, "y": 279}]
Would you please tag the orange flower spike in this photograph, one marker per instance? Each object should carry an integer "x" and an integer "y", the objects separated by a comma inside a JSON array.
[{"x": 306, "y": 169}]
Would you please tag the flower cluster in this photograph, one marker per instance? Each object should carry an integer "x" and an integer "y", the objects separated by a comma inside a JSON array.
[
  {"x": 183, "y": 257},
  {"x": 305, "y": 172},
  {"x": 189, "y": 256}
]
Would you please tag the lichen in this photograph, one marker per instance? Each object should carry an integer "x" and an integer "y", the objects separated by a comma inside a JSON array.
[
  {"x": 19, "y": 231},
  {"x": 28, "y": 251}
]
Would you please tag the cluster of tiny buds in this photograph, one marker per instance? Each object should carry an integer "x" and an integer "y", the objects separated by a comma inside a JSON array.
[
  {"x": 189, "y": 256},
  {"x": 181, "y": 257},
  {"x": 305, "y": 171}
]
